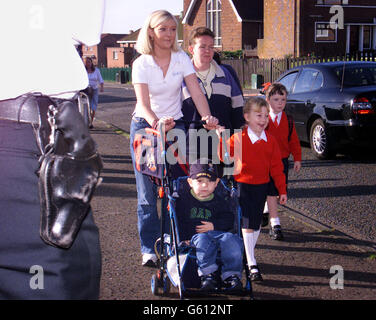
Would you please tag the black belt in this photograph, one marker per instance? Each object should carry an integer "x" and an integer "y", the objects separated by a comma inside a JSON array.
[{"x": 21, "y": 109}]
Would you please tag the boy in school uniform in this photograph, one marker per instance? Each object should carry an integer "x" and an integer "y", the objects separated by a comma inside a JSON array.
[
  {"x": 283, "y": 129},
  {"x": 207, "y": 220},
  {"x": 258, "y": 161}
]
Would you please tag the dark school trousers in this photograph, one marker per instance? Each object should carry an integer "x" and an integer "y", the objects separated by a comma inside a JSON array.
[{"x": 252, "y": 199}]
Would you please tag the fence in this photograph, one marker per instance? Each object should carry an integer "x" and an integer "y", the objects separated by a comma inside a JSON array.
[
  {"x": 271, "y": 69},
  {"x": 122, "y": 75}
]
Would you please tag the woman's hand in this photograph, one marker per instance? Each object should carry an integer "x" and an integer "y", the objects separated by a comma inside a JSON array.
[
  {"x": 211, "y": 122},
  {"x": 167, "y": 122}
]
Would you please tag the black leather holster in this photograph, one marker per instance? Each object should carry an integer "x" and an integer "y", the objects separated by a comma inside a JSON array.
[{"x": 69, "y": 173}]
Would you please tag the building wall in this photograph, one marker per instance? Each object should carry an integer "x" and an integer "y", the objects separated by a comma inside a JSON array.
[
  {"x": 311, "y": 13},
  {"x": 235, "y": 35},
  {"x": 197, "y": 18},
  {"x": 290, "y": 28},
  {"x": 115, "y": 63},
  {"x": 278, "y": 40},
  {"x": 125, "y": 56},
  {"x": 91, "y": 52},
  {"x": 231, "y": 29}
]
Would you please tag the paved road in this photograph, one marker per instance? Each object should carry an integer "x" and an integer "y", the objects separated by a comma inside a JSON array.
[
  {"x": 330, "y": 208},
  {"x": 340, "y": 192}
]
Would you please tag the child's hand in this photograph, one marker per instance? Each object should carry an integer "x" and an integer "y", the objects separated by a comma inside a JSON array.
[
  {"x": 283, "y": 199},
  {"x": 297, "y": 166},
  {"x": 219, "y": 130},
  {"x": 204, "y": 227}
]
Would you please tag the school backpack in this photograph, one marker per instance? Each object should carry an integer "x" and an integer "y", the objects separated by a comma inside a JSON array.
[{"x": 290, "y": 121}]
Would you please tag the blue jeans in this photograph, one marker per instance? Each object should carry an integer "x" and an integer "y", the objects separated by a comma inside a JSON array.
[
  {"x": 148, "y": 222},
  {"x": 94, "y": 100},
  {"x": 207, "y": 245}
]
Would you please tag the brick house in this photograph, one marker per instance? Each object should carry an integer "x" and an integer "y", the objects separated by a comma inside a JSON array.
[
  {"x": 122, "y": 55},
  {"x": 99, "y": 51},
  {"x": 237, "y": 24},
  {"x": 300, "y": 28}
]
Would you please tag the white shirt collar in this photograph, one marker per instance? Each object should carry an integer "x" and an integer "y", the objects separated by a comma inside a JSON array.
[
  {"x": 150, "y": 59},
  {"x": 254, "y": 137},
  {"x": 273, "y": 115}
]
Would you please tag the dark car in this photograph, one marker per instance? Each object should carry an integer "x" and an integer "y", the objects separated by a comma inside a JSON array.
[{"x": 333, "y": 104}]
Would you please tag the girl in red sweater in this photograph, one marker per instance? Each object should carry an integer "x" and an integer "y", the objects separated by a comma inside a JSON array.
[
  {"x": 260, "y": 160},
  {"x": 284, "y": 132}
]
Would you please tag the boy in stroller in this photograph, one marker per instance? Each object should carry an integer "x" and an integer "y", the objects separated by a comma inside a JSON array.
[{"x": 206, "y": 221}]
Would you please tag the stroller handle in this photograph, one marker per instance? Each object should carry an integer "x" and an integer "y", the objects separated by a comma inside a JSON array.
[
  {"x": 200, "y": 122},
  {"x": 157, "y": 132}
]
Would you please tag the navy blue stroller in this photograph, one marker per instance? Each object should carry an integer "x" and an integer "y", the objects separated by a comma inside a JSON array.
[{"x": 176, "y": 261}]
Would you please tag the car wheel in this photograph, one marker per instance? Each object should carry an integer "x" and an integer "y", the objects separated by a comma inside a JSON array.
[{"x": 320, "y": 140}]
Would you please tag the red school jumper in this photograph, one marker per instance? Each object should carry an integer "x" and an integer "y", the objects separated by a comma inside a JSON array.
[
  {"x": 258, "y": 161},
  {"x": 281, "y": 133}
]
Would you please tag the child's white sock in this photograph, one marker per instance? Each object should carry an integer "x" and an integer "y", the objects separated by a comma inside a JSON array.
[
  {"x": 274, "y": 222},
  {"x": 266, "y": 209},
  {"x": 250, "y": 240},
  {"x": 249, "y": 248},
  {"x": 255, "y": 236}
]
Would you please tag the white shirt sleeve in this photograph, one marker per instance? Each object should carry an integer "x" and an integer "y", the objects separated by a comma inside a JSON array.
[
  {"x": 99, "y": 76},
  {"x": 187, "y": 64},
  {"x": 139, "y": 71}
]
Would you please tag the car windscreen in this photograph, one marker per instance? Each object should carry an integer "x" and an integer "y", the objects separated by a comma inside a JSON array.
[{"x": 356, "y": 76}]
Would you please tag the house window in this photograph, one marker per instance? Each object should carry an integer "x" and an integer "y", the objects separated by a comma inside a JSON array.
[
  {"x": 333, "y": 2},
  {"x": 324, "y": 33},
  {"x": 213, "y": 19},
  {"x": 115, "y": 55}
]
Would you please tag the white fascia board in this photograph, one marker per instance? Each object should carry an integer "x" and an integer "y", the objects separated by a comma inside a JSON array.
[
  {"x": 235, "y": 11},
  {"x": 189, "y": 11}
]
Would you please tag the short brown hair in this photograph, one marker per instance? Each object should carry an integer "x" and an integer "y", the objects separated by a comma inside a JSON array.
[
  {"x": 276, "y": 88},
  {"x": 199, "y": 32}
]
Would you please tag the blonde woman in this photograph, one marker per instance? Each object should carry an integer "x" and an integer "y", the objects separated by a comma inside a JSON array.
[{"x": 157, "y": 77}]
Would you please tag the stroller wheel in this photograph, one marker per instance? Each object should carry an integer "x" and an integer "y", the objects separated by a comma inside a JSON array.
[
  {"x": 154, "y": 284},
  {"x": 166, "y": 284}
]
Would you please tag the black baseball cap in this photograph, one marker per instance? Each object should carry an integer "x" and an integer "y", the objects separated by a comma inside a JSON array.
[{"x": 203, "y": 168}]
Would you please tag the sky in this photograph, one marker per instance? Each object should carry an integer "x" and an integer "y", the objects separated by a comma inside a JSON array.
[{"x": 121, "y": 16}]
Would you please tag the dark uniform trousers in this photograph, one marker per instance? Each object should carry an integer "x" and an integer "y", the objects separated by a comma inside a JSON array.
[{"x": 30, "y": 268}]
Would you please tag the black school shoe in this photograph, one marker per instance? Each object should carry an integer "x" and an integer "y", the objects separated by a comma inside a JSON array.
[
  {"x": 276, "y": 233},
  {"x": 255, "y": 276},
  {"x": 209, "y": 282},
  {"x": 233, "y": 283}
]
